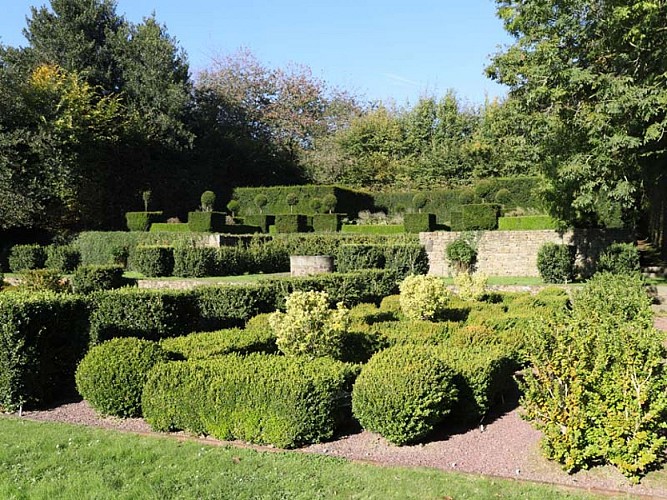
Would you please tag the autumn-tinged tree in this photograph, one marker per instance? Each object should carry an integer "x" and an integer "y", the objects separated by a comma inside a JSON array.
[{"x": 591, "y": 78}]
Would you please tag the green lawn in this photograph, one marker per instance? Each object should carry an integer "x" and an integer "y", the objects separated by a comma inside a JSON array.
[{"x": 50, "y": 460}]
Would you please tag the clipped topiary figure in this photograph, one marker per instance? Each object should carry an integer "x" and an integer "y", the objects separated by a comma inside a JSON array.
[
  {"x": 146, "y": 197},
  {"x": 402, "y": 393},
  {"x": 419, "y": 201},
  {"x": 316, "y": 205},
  {"x": 309, "y": 327},
  {"x": 261, "y": 200},
  {"x": 112, "y": 375},
  {"x": 329, "y": 203},
  {"x": 207, "y": 201},
  {"x": 234, "y": 206},
  {"x": 292, "y": 200},
  {"x": 423, "y": 297}
]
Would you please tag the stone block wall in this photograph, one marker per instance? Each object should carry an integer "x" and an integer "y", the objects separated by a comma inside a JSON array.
[{"x": 514, "y": 253}]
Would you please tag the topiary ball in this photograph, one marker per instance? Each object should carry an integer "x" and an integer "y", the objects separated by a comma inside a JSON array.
[
  {"x": 402, "y": 393},
  {"x": 111, "y": 376}
]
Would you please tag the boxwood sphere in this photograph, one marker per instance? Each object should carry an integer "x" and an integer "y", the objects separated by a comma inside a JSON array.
[
  {"x": 403, "y": 393},
  {"x": 112, "y": 375}
]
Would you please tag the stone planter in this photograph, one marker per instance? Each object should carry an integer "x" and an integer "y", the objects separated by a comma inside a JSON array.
[{"x": 305, "y": 265}]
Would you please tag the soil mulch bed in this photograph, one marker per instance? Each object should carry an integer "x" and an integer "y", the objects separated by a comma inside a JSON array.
[{"x": 504, "y": 446}]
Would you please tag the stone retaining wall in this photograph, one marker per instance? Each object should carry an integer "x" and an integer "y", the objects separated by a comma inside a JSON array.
[
  {"x": 514, "y": 253},
  {"x": 305, "y": 265}
]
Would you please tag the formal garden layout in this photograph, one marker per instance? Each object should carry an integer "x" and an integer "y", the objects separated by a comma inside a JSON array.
[{"x": 247, "y": 283}]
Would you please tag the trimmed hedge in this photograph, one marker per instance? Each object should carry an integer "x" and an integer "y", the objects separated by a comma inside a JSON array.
[
  {"x": 154, "y": 260},
  {"x": 418, "y": 223},
  {"x": 111, "y": 376},
  {"x": 209, "y": 345},
  {"x": 146, "y": 314},
  {"x": 231, "y": 305},
  {"x": 353, "y": 257},
  {"x": 527, "y": 223},
  {"x": 330, "y": 223},
  {"x": 141, "y": 221},
  {"x": 262, "y": 221},
  {"x": 195, "y": 262},
  {"x": 347, "y": 200},
  {"x": 24, "y": 257},
  {"x": 403, "y": 393},
  {"x": 480, "y": 217},
  {"x": 62, "y": 258},
  {"x": 373, "y": 228},
  {"x": 404, "y": 259},
  {"x": 291, "y": 223},
  {"x": 170, "y": 227},
  {"x": 263, "y": 399},
  {"x": 88, "y": 279},
  {"x": 43, "y": 336},
  {"x": 206, "y": 222}
]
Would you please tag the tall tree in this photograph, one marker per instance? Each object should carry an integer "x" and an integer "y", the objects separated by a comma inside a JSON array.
[{"x": 591, "y": 75}]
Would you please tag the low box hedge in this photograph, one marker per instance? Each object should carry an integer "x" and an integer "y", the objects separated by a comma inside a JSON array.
[
  {"x": 170, "y": 227},
  {"x": 275, "y": 400},
  {"x": 373, "y": 229},
  {"x": 263, "y": 221},
  {"x": 26, "y": 257},
  {"x": 207, "y": 345},
  {"x": 62, "y": 258},
  {"x": 226, "y": 306},
  {"x": 329, "y": 223},
  {"x": 154, "y": 260},
  {"x": 141, "y": 221},
  {"x": 480, "y": 217},
  {"x": 418, "y": 223},
  {"x": 354, "y": 257},
  {"x": 207, "y": 222},
  {"x": 88, "y": 279},
  {"x": 43, "y": 335}
]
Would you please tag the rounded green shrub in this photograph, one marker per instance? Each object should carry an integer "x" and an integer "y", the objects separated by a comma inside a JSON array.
[
  {"x": 419, "y": 201},
  {"x": 423, "y": 297},
  {"x": 556, "y": 263},
  {"x": 329, "y": 202},
  {"x": 62, "y": 258},
  {"x": 207, "y": 201},
  {"x": 112, "y": 375},
  {"x": 22, "y": 257},
  {"x": 402, "y": 393},
  {"x": 619, "y": 258},
  {"x": 462, "y": 254},
  {"x": 261, "y": 200},
  {"x": 234, "y": 206},
  {"x": 503, "y": 196},
  {"x": 89, "y": 279}
]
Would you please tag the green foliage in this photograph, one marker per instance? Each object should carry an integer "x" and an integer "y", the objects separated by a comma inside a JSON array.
[
  {"x": 330, "y": 202},
  {"x": 347, "y": 200},
  {"x": 209, "y": 345},
  {"x": 462, "y": 254},
  {"x": 195, "y": 262},
  {"x": 43, "y": 336},
  {"x": 423, "y": 297},
  {"x": 373, "y": 229},
  {"x": 353, "y": 257},
  {"x": 146, "y": 198},
  {"x": 527, "y": 223},
  {"x": 207, "y": 201},
  {"x": 480, "y": 217},
  {"x": 471, "y": 286},
  {"x": 206, "y": 222},
  {"x": 278, "y": 400},
  {"x": 234, "y": 206},
  {"x": 556, "y": 263},
  {"x": 403, "y": 393},
  {"x": 22, "y": 257},
  {"x": 316, "y": 205},
  {"x": 483, "y": 376},
  {"x": 619, "y": 258},
  {"x": 261, "y": 221},
  {"x": 62, "y": 258},
  {"x": 261, "y": 201},
  {"x": 87, "y": 279},
  {"x": 308, "y": 327},
  {"x": 111, "y": 376},
  {"x": 225, "y": 306},
  {"x": 417, "y": 223},
  {"x": 292, "y": 199},
  {"x": 154, "y": 260},
  {"x": 141, "y": 221},
  {"x": 598, "y": 387},
  {"x": 406, "y": 259},
  {"x": 291, "y": 223},
  {"x": 145, "y": 314},
  {"x": 503, "y": 196},
  {"x": 43, "y": 279},
  {"x": 419, "y": 201},
  {"x": 327, "y": 222},
  {"x": 170, "y": 227}
]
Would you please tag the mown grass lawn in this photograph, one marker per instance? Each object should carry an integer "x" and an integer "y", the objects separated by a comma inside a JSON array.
[{"x": 52, "y": 460}]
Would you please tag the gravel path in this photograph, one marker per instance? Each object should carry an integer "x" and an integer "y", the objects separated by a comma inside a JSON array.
[{"x": 506, "y": 446}]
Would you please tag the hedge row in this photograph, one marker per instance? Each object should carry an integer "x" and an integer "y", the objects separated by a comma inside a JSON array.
[
  {"x": 44, "y": 335},
  {"x": 403, "y": 259},
  {"x": 347, "y": 200},
  {"x": 527, "y": 223},
  {"x": 281, "y": 401}
]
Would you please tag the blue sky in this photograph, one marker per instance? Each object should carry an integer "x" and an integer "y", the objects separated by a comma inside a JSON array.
[{"x": 381, "y": 49}]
